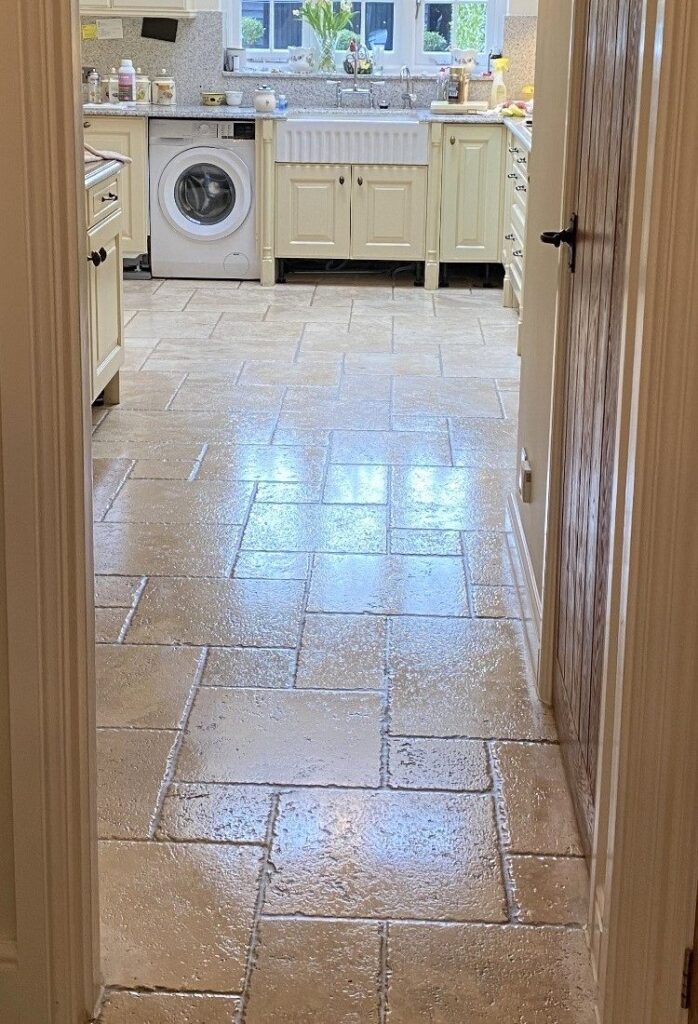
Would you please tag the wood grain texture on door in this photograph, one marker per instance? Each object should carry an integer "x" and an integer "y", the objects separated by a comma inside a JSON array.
[{"x": 604, "y": 157}]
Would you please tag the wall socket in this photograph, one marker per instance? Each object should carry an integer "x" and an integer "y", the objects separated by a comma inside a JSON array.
[{"x": 525, "y": 478}]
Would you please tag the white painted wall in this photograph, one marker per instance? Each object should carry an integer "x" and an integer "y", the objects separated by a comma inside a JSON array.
[
  {"x": 523, "y": 7},
  {"x": 545, "y": 213}
]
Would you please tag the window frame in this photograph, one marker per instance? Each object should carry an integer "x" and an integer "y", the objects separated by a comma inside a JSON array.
[{"x": 408, "y": 36}]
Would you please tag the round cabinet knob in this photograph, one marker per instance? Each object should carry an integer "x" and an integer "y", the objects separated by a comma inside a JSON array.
[
  {"x": 359, "y": 181},
  {"x": 103, "y": 254},
  {"x": 341, "y": 179},
  {"x": 452, "y": 140},
  {"x": 94, "y": 258}
]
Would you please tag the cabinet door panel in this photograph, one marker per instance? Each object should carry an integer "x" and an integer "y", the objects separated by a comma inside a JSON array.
[
  {"x": 128, "y": 136},
  {"x": 312, "y": 210},
  {"x": 105, "y": 297},
  {"x": 388, "y": 212},
  {"x": 471, "y": 205}
]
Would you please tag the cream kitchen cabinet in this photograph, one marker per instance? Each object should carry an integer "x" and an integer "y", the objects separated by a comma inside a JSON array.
[
  {"x": 127, "y": 135},
  {"x": 514, "y": 226},
  {"x": 471, "y": 195},
  {"x": 313, "y": 211},
  {"x": 105, "y": 287},
  {"x": 339, "y": 211},
  {"x": 145, "y": 8},
  {"x": 388, "y": 212}
]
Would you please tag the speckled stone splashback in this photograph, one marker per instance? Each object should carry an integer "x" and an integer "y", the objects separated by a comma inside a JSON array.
[{"x": 196, "y": 61}]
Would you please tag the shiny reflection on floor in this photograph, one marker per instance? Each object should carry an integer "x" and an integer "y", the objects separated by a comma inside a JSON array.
[{"x": 327, "y": 792}]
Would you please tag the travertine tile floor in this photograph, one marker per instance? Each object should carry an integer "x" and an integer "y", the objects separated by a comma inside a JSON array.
[{"x": 327, "y": 793}]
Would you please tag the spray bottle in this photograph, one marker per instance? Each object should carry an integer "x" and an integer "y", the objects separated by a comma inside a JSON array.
[{"x": 499, "y": 88}]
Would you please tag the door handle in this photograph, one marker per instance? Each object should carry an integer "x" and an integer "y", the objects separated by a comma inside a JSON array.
[
  {"x": 567, "y": 236},
  {"x": 94, "y": 258}
]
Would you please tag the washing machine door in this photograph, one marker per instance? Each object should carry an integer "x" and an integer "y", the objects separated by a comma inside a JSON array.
[{"x": 205, "y": 192}]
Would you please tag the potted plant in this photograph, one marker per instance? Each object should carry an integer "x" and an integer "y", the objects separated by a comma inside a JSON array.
[{"x": 326, "y": 22}]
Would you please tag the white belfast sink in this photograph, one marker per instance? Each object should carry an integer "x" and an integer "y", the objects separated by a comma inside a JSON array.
[{"x": 353, "y": 137}]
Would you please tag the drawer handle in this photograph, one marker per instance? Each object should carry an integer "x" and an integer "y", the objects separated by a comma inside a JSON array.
[
  {"x": 521, "y": 160},
  {"x": 341, "y": 179},
  {"x": 109, "y": 198},
  {"x": 510, "y": 237},
  {"x": 452, "y": 140},
  {"x": 359, "y": 181},
  {"x": 87, "y": 124},
  {"x": 512, "y": 175},
  {"x": 514, "y": 149},
  {"x": 520, "y": 188},
  {"x": 518, "y": 252}
]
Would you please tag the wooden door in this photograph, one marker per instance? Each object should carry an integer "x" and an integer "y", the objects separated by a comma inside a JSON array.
[
  {"x": 388, "y": 212},
  {"x": 604, "y": 154},
  {"x": 127, "y": 135},
  {"x": 471, "y": 201},
  {"x": 313, "y": 210},
  {"x": 105, "y": 301}
]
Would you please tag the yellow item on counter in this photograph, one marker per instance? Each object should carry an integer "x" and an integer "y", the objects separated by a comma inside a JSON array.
[
  {"x": 513, "y": 110},
  {"x": 499, "y": 88}
]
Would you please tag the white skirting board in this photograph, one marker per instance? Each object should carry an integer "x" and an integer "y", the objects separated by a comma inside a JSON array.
[{"x": 526, "y": 586}]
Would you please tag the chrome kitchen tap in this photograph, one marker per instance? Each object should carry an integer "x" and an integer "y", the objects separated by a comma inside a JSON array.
[{"x": 409, "y": 98}]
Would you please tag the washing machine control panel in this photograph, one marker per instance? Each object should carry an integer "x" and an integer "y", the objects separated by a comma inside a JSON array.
[{"x": 206, "y": 130}]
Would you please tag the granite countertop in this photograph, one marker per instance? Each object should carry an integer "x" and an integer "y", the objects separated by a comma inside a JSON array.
[
  {"x": 224, "y": 113},
  {"x": 522, "y": 131},
  {"x": 97, "y": 172}
]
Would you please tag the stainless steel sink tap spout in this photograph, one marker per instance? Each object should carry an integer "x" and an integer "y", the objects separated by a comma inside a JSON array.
[{"x": 409, "y": 97}]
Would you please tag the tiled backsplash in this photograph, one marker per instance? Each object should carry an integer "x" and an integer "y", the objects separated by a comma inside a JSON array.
[{"x": 196, "y": 60}]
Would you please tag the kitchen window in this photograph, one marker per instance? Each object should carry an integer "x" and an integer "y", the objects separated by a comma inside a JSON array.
[{"x": 415, "y": 32}]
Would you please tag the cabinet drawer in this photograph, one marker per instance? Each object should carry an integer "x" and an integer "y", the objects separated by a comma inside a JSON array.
[
  {"x": 103, "y": 200},
  {"x": 518, "y": 221}
]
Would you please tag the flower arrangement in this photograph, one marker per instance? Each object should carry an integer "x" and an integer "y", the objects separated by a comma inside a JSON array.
[{"x": 326, "y": 22}]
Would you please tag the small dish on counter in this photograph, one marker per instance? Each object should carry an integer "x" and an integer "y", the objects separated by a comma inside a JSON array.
[
  {"x": 212, "y": 99},
  {"x": 233, "y": 98}
]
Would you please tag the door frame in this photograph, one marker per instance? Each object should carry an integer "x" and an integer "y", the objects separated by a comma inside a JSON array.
[
  {"x": 642, "y": 907},
  {"x": 49, "y": 959},
  {"x": 650, "y": 761}
]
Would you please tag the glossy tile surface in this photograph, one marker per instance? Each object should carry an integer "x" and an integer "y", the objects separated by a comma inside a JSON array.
[{"x": 327, "y": 791}]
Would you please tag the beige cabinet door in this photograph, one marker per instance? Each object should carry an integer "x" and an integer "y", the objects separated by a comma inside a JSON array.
[
  {"x": 388, "y": 212},
  {"x": 105, "y": 301},
  {"x": 471, "y": 200},
  {"x": 127, "y": 135},
  {"x": 312, "y": 210}
]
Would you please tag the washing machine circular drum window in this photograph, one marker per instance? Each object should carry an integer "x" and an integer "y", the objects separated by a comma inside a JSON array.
[{"x": 205, "y": 192}]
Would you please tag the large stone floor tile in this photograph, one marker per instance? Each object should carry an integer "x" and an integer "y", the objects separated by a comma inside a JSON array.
[
  {"x": 339, "y": 528},
  {"x": 486, "y": 974},
  {"x": 478, "y": 361},
  {"x": 463, "y": 677},
  {"x": 397, "y": 364},
  {"x": 425, "y": 542},
  {"x": 221, "y": 814},
  {"x": 439, "y": 397},
  {"x": 282, "y": 737},
  {"x": 172, "y": 325},
  {"x": 177, "y": 501},
  {"x": 272, "y": 565},
  {"x": 177, "y": 916},
  {"x": 148, "y": 429},
  {"x": 537, "y": 803},
  {"x": 316, "y": 972},
  {"x": 388, "y": 584},
  {"x": 148, "y": 389},
  {"x": 166, "y": 549},
  {"x": 263, "y": 462},
  {"x": 201, "y": 392},
  {"x": 312, "y": 369},
  {"x": 488, "y": 558},
  {"x": 484, "y": 443},
  {"x": 225, "y": 613},
  {"x": 117, "y": 591},
  {"x": 386, "y": 854},
  {"x": 131, "y": 764},
  {"x": 249, "y": 667},
  {"x": 344, "y": 652},
  {"x": 437, "y": 498},
  {"x": 383, "y": 448},
  {"x": 330, "y": 414},
  {"x": 451, "y": 764},
  {"x": 167, "y": 1008},
  {"x": 550, "y": 890},
  {"x": 145, "y": 687},
  {"x": 356, "y": 485}
]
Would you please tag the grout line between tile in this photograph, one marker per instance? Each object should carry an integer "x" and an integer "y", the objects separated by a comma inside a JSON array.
[
  {"x": 503, "y": 836},
  {"x": 383, "y": 973},
  {"x": 267, "y": 867}
]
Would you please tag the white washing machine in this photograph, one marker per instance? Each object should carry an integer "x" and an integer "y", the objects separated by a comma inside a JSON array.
[{"x": 202, "y": 199}]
